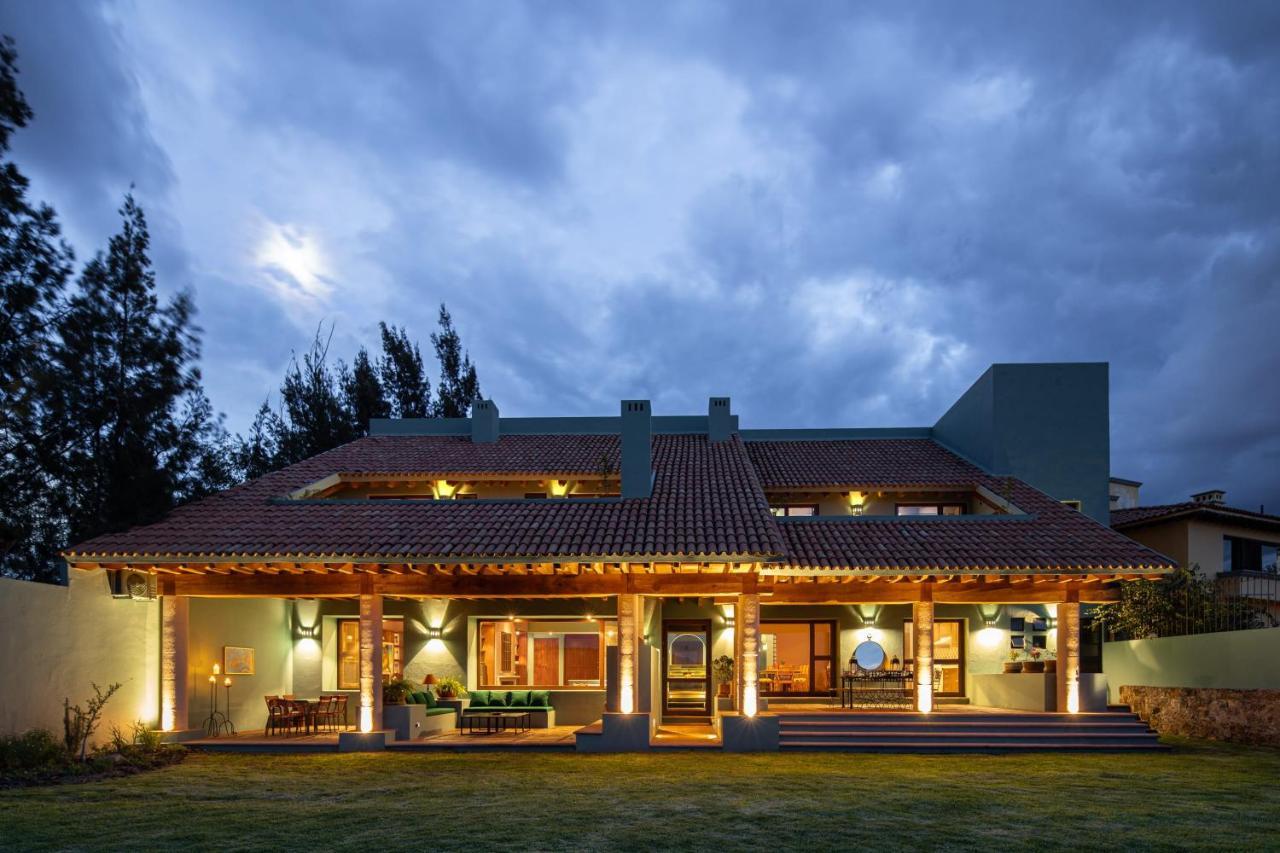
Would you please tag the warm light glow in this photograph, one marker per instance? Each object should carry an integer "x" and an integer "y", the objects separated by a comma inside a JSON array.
[
  {"x": 366, "y": 719},
  {"x": 227, "y": 682},
  {"x": 924, "y": 697},
  {"x": 445, "y": 490},
  {"x": 989, "y": 638},
  {"x": 213, "y": 679},
  {"x": 856, "y": 502},
  {"x": 1073, "y": 695},
  {"x": 217, "y": 669},
  {"x": 749, "y": 700},
  {"x": 628, "y": 605},
  {"x": 559, "y": 488},
  {"x": 166, "y": 719}
]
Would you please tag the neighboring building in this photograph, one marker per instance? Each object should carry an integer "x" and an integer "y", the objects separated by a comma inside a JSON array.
[
  {"x": 1124, "y": 493},
  {"x": 1206, "y": 533},
  {"x": 609, "y": 560}
]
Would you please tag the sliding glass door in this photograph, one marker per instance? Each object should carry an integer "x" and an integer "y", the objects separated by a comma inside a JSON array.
[{"x": 797, "y": 657}]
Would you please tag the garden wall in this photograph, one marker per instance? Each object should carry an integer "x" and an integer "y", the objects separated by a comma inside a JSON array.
[
  {"x": 1230, "y": 659},
  {"x": 1240, "y": 716},
  {"x": 57, "y": 640}
]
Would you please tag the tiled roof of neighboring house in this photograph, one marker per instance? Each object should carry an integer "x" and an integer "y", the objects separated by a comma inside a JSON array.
[
  {"x": 1163, "y": 512},
  {"x": 705, "y": 502},
  {"x": 708, "y": 502},
  {"x": 858, "y": 462}
]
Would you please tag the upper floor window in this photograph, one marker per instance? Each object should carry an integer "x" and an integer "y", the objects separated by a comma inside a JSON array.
[
  {"x": 1076, "y": 505},
  {"x": 794, "y": 510},
  {"x": 1249, "y": 555},
  {"x": 931, "y": 509}
]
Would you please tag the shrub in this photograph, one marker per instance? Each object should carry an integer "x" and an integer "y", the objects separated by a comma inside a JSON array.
[
  {"x": 35, "y": 751},
  {"x": 79, "y": 724}
]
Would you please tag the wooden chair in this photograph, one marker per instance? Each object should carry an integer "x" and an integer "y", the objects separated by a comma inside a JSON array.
[
  {"x": 280, "y": 715},
  {"x": 340, "y": 712},
  {"x": 327, "y": 713}
]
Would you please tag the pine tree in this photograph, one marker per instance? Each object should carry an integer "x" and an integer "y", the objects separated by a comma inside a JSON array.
[
  {"x": 126, "y": 408},
  {"x": 403, "y": 375},
  {"x": 362, "y": 393},
  {"x": 314, "y": 418},
  {"x": 258, "y": 454},
  {"x": 458, "y": 384},
  {"x": 35, "y": 265}
]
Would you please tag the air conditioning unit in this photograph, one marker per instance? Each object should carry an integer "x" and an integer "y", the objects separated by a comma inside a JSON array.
[{"x": 137, "y": 586}]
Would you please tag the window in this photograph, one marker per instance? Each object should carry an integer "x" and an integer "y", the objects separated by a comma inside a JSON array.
[
  {"x": 349, "y": 651},
  {"x": 931, "y": 509},
  {"x": 948, "y": 654},
  {"x": 797, "y": 658},
  {"x": 1076, "y": 505},
  {"x": 1249, "y": 555},
  {"x": 793, "y": 510},
  {"x": 543, "y": 652}
]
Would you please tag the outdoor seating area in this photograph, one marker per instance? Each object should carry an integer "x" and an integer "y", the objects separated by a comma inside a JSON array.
[
  {"x": 492, "y": 711},
  {"x": 288, "y": 715}
]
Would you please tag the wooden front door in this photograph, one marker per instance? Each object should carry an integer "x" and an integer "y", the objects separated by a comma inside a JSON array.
[{"x": 546, "y": 661}]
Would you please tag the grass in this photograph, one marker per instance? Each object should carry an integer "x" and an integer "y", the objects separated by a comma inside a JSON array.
[{"x": 1198, "y": 796}]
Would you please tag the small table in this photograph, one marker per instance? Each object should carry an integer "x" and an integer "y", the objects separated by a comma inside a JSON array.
[{"x": 495, "y": 722}]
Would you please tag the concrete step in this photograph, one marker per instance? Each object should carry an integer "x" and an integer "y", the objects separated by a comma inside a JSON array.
[
  {"x": 963, "y": 746},
  {"x": 1134, "y": 738},
  {"x": 957, "y": 718},
  {"x": 915, "y": 725}
]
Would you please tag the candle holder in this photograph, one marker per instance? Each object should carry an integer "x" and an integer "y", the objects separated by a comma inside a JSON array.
[
  {"x": 215, "y": 722},
  {"x": 226, "y": 717}
]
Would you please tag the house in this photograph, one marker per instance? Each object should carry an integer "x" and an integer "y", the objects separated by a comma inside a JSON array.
[
  {"x": 1204, "y": 532},
  {"x": 611, "y": 560}
]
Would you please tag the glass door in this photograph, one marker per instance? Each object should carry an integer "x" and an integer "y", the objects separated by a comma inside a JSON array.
[
  {"x": 948, "y": 654},
  {"x": 797, "y": 657},
  {"x": 686, "y": 668}
]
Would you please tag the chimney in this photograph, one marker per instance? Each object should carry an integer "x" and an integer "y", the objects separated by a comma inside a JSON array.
[
  {"x": 719, "y": 419},
  {"x": 484, "y": 421},
  {"x": 637, "y": 466},
  {"x": 1212, "y": 496}
]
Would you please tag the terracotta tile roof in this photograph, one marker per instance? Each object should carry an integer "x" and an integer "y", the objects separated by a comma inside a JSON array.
[
  {"x": 708, "y": 502},
  {"x": 705, "y": 502},
  {"x": 858, "y": 462},
  {"x": 1162, "y": 512},
  {"x": 1047, "y": 536}
]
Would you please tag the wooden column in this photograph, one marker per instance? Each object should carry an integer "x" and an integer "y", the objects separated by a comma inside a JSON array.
[
  {"x": 1069, "y": 654},
  {"x": 746, "y": 641},
  {"x": 174, "y": 637},
  {"x": 922, "y": 632},
  {"x": 370, "y": 659},
  {"x": 630, "y": 614}
]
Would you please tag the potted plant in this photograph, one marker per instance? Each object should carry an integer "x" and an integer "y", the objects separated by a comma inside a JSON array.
[
  {"x": 722, "y": 670},
  {"x": 1013, "y": 664},
  {"x": 396, "y": 691},
  {"x": 1033, "y": 663},
  {"x": 1050, "y": 662},
  {"x": 450, "y": 688}
]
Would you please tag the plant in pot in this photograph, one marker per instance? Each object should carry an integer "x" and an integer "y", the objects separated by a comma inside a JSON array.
[
  {"x": 396, "y": 691},
  {"x": 1014, "y": 663},
  {"x": 1033, "y": 662},
  {"x": 722, "y": 670},
  {"x": 450, "y": 688}
]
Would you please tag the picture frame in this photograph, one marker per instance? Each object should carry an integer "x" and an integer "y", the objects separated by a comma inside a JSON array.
[
  {"x": 1017, "y": 624},
  {"x": 238, "y": 660}
]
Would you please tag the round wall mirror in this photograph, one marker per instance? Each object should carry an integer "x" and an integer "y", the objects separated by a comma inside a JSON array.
[{"x": 869, "y": 655}]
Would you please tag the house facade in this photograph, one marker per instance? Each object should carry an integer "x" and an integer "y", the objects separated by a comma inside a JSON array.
[{"x": 610, "y": 561}]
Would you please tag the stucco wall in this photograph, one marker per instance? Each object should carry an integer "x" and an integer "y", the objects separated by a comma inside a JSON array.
[
  {"x": 260, "y": 624},
  {"x": 1169, "y": 539},
  {"x": 1229, "y": 659},
  {"x": 56, "y": 640}
]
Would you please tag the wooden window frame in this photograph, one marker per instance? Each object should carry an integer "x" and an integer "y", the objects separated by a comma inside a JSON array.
[
  {"x": 941, "y": 506},
  {"x": 909, "y": 651},
  {"x": 834, "y": 656},
  {"x": 387, "y": 627},
  {"x": 601, "y": 623}
]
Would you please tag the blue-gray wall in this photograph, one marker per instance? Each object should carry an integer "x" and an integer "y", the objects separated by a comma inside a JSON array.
[{"x": 1046, "y": 424}]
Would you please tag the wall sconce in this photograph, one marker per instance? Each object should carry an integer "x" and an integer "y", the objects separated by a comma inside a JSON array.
[
  {"x": 869, "y": 613},
  {"x": 728, "y": 621},
  {"x": 445, "y": 490},
  {"x": 435, "y": 633},
  {"x": 990, "y": 614},
  {"x": 856, "y": 501},
  {"x": 1051, "y": 622},
  {"x": 306, "y": 632}
]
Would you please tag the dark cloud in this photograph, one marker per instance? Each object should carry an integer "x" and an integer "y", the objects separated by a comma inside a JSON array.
[{"x": 832, "y": 214}]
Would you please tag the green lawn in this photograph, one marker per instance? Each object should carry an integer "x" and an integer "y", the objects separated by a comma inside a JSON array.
[{"x": 1197, "y": 796}]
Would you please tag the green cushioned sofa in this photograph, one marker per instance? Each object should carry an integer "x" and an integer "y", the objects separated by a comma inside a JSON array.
[{"x": 537, "y": 702}]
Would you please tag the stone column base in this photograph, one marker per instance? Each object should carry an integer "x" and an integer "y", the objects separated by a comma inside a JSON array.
[
  {"x": 760, "y": 733},
  {"x": 364, "y": 741},
  {"x": 619, "y": 733}
]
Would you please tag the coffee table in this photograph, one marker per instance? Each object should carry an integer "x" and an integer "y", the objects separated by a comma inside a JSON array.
[{"x": 493, "y": 722}]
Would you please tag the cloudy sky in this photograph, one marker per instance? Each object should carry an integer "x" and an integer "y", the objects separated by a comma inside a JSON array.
[{"x": 838, "y": 214}]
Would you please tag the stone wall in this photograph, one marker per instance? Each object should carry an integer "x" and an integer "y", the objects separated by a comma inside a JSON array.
[{"x": 1240, "y": 716}]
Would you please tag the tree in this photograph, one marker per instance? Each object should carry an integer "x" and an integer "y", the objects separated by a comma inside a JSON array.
[
  {"x": 258, "y": 454},
  {"x": 458, "y": 384},
  {"x": 1182, "y": 602},
  {"x": 314, "y": 418},
  {"x": 125, "y": 408},
  {"x": 403, "y": 376},
  {"x": 362, "y": 393},
  {"x": 35, "y": 265}
]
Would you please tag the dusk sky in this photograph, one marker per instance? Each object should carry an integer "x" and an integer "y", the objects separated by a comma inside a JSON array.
[{"x": 837, "y": 214}]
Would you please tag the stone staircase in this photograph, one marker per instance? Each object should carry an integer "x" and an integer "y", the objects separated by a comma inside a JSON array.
[{"x": 960, "y": 731}]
